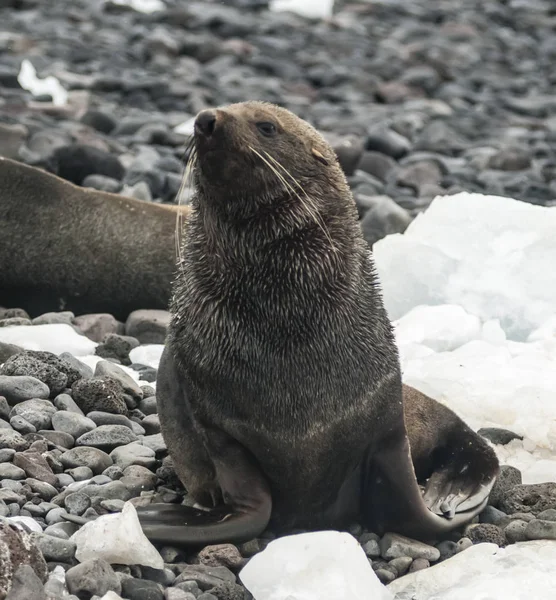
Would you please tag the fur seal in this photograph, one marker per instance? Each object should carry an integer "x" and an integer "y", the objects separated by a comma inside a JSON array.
[
  {"x": 63, "y": 247},
  {"x": 279, "y": 390}
]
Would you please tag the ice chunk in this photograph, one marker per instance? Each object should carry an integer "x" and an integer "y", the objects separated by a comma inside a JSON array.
[
  {"x": 144, "y": 6},
  {"x": 149, "y": 355},
  {"x": 55, "y": 338},
  {"x": 509, "y": 385},
  {"x": 493, "y": 256},
  {"x": 29, "y": 81},
  {"x": 117, "y": 538},
  {"x": 547, "y": 331},
  {"x": 485, "y": 572},
  {"x": 325, "y": 565},
  {"x": 441, "y": 328},
  {"x": 186, "y": 128},
  {"x": 313, "y": 9}
]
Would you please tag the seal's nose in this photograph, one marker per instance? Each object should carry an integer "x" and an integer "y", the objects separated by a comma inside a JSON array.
[{"x": 205, "y": 123}]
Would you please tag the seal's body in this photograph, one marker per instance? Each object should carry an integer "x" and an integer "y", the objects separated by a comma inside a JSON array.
[
  {"x": 63, "y": 247},
  {"x": 279, "y": 390}
]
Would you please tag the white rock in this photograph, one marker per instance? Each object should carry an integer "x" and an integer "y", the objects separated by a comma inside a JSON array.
[
  {"x": 326, "y": 565},
  {"x": 29, "y": 81},
  {"x": 118, "y": 539},
  {"x": 29, "y": 522},
  {"x": 314, "y": 9},
  {"x": 485, "y": 572},
  {"x": 55, "y": 338},
  {"x": 148, "y": 354},
  {"x": 111, "y": 596},
  {"x": 547, "y": 331},
  {"x": 144, "y": 6},
  {"x": 493, "y": 256},
  {"x": 441, "y": 328}
]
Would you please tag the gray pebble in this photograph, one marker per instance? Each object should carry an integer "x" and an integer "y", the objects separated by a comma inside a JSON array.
[
  {"x": 508, "y": 478},
  {"x": 447, "y": 549},
  {"x": 74, "y": 424},
  {"x": 104, "y": 418},
  {"x": 81, "y": 473},
  {"x": 12, "y": 439},
  {"x": 133, "y": 454},
  {"x": 20, "y": 388},
  {"x": 66, "y": 402},
  {"x": 385, "y": 576},
  {"x": 21, "y": 425},
  {"x": 77, "y": 503},
  {"x": 205, "y": 577},
  {"x": 6, "y": 455},
  {"x": 371, "y": 549},
  {"x": 148, "y": 326},
  {"x": 64, "y": 479},
  {"x": 515, "y": 531},
  {"x": 155, "y": 442},
  {"x": 177, "y": 594},
  {"x": 114, "y": 472},
  {"x": 151, "y": 424},
  {"x": 4, "y": 408},
  {"x": 419, "y": 564},
  {"x": 547, "y": 515},
  {"x": 37, "y": 412},
  {"x": 55, "y": 548},
  {"x": 494, "y": 516},
  {"x": 9, "y": 471},
  {"x": 541, "y": 530},
  {"x": 95, "y": 459},
  {"x": 463, "y": 544},
  {"x": 107, "y": 437},
  {"x": 148, "y": 405},
  {"x": 25, "y": 585},
  {"x": 401, "y": 564},
  {"x": 393, "y": 545},
  {"x": 41, "y": 487},
  {"x": 105, "y": 368},
  {"x": 113, "y": 505},
  {"x": 63, "y": 530},
  {"x": 64, "y": 440},
  {"x": 55, "y": 516},
  {"x": 91, "y": 577},
  {"x": 84, "y": 370}
]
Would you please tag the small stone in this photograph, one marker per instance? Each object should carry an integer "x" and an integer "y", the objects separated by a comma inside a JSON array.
[
  {"x": 515, "y": 531},
  {"x": 533, "y": 498},
  {"x": 81, "y": 473},
  {"x": 485, "y": 532},
  {"x": 79, "y": 367},
  {"x": 45, "y": 490},
  {"x": 67, "y": 403},
  {"x": 447, "y": 549},
  {"x": 177, "y": 594},
  {"x": 103, "y": 184},
  {"x": 37, "y": 412},
  {"x": 104, "y": 418},
  {"x": 54, "y": 548},
  {"x": 113, "y": 505},
  {"x": 20, "y": 388},
  {"x": 99, "y": 393},
  {"x": 63, "y": 530},
  {"x": 92, "y": 577},
  {"x": 138, "y": 479},
  {"x": 508, "y": 477},
  {"x": 248, "y": 549},
  {"x": 393, "y": 545},
  {"x": 115, "y": 346},
  {"x": 385, "y": 576},
  {"x": 77, "y": 503},
  {"x": 9, "y": 471},
  {"x": 151, "y": 423},
  {"x": 114, "y": 472},
  {"x": 4, "y": 408},
  {"x": 498, "y": 435},
  {"x": 510, "y": 159},
  {"x": 205, "y": 577},
  {"x": 401, "y": 564},
  {"x": 382, "y": 217},
  {"x": 59, "y": 438},
  {"x": 51, "y": 318},
  {"x": 25, "y": 585},
  {"x": 419, "y": 564},
  {"x": 148, "y": 326},
  {"x": 221, "y": 555},
  {"x": 107, "y": 437},
  {"x": 540, "y": 530},
  {"x": 97, "y": 326},
  {"x": 133, "y": 454},
  {"x": 36, "y": 466},
  {"x": 494, "y": 516},
  {"x": 7, "y": 350},
  {"x": 547, "y": 515},
  {"x": 155, "y": 442},
  {"x": 76, "y": 161},
  {"x": 95, "y": 459},
  {"x": 371, "y": 549},
  {"x": 72, "y": 423},
  {"x": 22, "y": 426},
  {"x": 141, "y": 589}
]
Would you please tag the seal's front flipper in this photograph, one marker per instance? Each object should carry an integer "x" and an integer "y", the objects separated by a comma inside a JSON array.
[
  {"x": 179, "y": 525},
  {"x": 243, "y": 516},
  {"x": 392, "y": 500}
]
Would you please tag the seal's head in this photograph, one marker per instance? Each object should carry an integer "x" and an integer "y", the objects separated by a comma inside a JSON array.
[{"x": 253, "y": 153}]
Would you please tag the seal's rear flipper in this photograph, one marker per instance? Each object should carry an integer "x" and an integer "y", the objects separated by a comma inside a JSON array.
[
  {"x": 178, "y": 525},
  {"x": 392, "y": 500}
]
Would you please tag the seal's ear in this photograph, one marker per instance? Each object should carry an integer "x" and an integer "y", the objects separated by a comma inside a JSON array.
[{"x": 320, "y": 157}]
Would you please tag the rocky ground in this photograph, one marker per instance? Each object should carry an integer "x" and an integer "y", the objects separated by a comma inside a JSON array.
[
  {"x": 418, "y": 99},
  {"x": 78, "y": 443}
]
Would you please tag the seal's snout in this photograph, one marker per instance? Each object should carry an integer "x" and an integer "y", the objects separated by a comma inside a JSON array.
[{"x": 205, "y": 123}]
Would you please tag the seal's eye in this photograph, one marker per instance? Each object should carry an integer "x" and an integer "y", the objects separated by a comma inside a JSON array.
[{"x": 266, "y": 128}]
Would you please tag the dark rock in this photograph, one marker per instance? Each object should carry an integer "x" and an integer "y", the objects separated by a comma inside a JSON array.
[
  {"x": 533, "y": 498},
  {"x": 37, "y": 412},
  {"x": 485, "y": 532},
  {"x": 99, "y": 120},
  {"x": 377, "y": 164},
  {"x": 12, "y": 439},
  {"x": 205, "y": 577},
  {"x": 142, "y": 589},
  {"x": 25, "y": 585},
  {"x": 12, "y": 138},
  {"x": 494, "y": 516},
  {"x": 92, "y": 577},
  {"x": 117, "y": 346},
  {"x": 510, "y": 159},
  {"x": 515, "y": 531},
  {"x": 382, "y": 217},
  {"x": 97, "y": 326},
  {"x": 109, "y": 370},
  {"x": 99, "y": 393},
  {"x": 70, "y": 422},
  {"x": 54, "y": 548},
  {"x": 7, "y": 350},
  {"x": 508, "y": 477},
  {"x": 221, "y": 555},
  {"x": 21, "y": 388}
]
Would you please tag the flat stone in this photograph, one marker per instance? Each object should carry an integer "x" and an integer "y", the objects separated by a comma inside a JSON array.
[
  {"x": 107, "y": 437},
  {"x": 533, "y": 498},
  {"x": 20, "y": 388},
  {"x": 541, "y": 530},
  {"x": 515, "y": 531},
  {"x": 92, "y": 577},
  {"x": 105, "y": 368},
  {"x": 36, "y": 466},
  {"x": 9, "y": 471},
  {"x": 55, "y": 548},
  {"x": 393, "y": 545},
  {"x": 133, "y": 454},
  {"x": 95, "y": 459},
  {"x": 148, "y": 326},
  {"x": 37, "y": 412},
  {"x": 74, "y": 424},
  {"x": 205, "y": 577}
]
